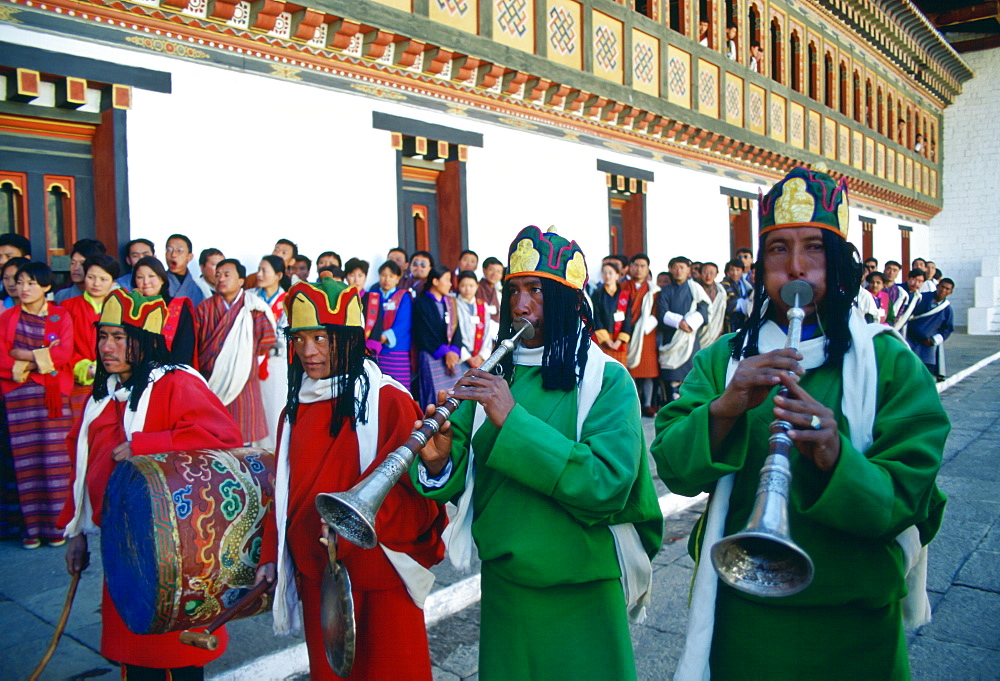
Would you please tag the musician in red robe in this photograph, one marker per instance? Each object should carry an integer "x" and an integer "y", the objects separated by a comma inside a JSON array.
[
  {"x": 233, "y": 331},
  {"x": 140, "y": 405},
  {"x": 343, "y": 419}
]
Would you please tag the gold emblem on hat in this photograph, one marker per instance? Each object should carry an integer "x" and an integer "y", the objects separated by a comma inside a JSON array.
[
  {"x": 525, "y": 258},
  {"x": 795, "y": 204}
]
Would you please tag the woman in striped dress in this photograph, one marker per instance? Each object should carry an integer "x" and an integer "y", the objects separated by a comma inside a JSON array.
[
  {"x": 388, "y": 317},
  {"x": 437, "y": 336},
  {"x": 36, "y": 343}
]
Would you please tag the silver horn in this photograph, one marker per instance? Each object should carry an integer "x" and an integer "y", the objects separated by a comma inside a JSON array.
[
  {"x": 351, "y": 514},
  {"x": 762, "y": 560}
]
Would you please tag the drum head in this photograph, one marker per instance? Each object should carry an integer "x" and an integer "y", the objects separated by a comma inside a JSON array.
[{"x": 338, "y": 619}]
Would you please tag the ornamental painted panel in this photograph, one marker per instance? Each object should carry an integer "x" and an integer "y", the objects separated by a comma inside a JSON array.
[
  {"x": 708, "y": 88},
  {"x": 678, "y": 77},
  {"x": 857, "y": 147},
  {"x": 776, "y": 118},
  {"x": 796, "y": 125},
  {"x": 843, "y": 144},
  {"x": 608, "y": 43},
  {"x": 514, "y": 24},
  {"x": 563, "y": 25},
  {"x": 925, "y": 179},
  {"x": 734, "y": 100},
  {"x": 908, "y": 173},
  {"x": 880, "y": 160},
  {"x": 460, "y": 14},
  {"x": 869, "y": 155},
  {"x": 890, "y": 165},
  {"x": 815, "y": 134},
  {"x": 900, "y": 168},
  {"x": 405, "y": 5},
  {"x": 755, "y": 109},
  {"x": 830, "y": 138},
  {"x": 934, "y": 185},
  {"x": 918, "y": 177},
  {"x": 645, "y": 63}
]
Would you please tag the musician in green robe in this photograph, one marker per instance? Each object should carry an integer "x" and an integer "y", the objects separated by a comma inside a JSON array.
[
  {"x": 868, "y": 431},
  {"x": 547, "y": 465}
]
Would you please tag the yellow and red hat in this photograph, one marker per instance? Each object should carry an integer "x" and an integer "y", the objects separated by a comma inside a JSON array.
[
  {"x": 314, "y": 306},
  {"x": 534, "y": 253},
  {"x": 130, "y": 308}
]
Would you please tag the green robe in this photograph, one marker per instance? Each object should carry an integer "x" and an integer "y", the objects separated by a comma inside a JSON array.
[
  {"x": 541, "y": 507},
  {"x": 847, "y": 623}
]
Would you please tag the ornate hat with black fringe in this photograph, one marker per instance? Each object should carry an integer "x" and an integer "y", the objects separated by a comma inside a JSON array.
[
  {"x": 314, "y": 306},
  {"x": 534, "y": 253},
  {"x": 130, "y": 308},
  {"x": 806, "y": 198}
]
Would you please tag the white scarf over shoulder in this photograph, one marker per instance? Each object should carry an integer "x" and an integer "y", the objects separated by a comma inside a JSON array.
[
  {"x": 134, "y": 421},
  {"x": 859, "y": 402},
  {"x": 236, "y": 358},
  {"x": 417, "y": 579}
]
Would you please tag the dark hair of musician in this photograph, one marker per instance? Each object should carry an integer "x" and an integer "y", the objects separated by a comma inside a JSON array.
[
  {"x": 145, "y": 352},
  {"x": 347, "y": 369},
  {"x": 843, "y": 279},
  {"x": 566, "y": 341}
]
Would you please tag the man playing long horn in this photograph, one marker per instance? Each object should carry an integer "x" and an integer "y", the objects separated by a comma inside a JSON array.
[
  {"x": 343, "y": 417},
  {"x": 868, "y": 431},
  {"x": 141, "y": 405},
  {"x": 547, "y": 465}
]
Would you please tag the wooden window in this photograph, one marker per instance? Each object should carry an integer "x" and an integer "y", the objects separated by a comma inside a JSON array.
[
  {"x": 879, "y": 117},
  {"x": 867, "y": 245},
  {"x": 756, "y": 38},
  {"x": 856, "y": 94},
  {"x": 813, "y": 57},
  {"x": 795, "y": 57},
  {"x": 904, "y": 247},
  {"x": 13, "y": 206},
  {"x": 932, "y": 143},
  {"x": 60, "y": 214},
  {"x": 626, "y": 207},
  {"x": 777, "y": 53},
  {"x": 733, "y": 37},
  {"x": 679, "y": 16},
  {"x": 647, "y": 8},
  {"x": 845, "y": 93},
  {"x": 868, "y": 104},
  {"x": 740, "y": 227},
  {"x": 829, "y": 80}
]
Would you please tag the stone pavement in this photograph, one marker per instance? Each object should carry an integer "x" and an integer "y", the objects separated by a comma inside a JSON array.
[{"x": 962, "y": 642}]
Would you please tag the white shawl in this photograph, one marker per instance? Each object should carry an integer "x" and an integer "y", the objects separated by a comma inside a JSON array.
[
  {"x": 417, "y": 578},
  {"x": 858, "y": 404},
  {"x": 708, "y": 333},
  {"x": 646, "y": 324},
  {"x": 681, "y": 346},
  {"x": 237, "y": 359},
  {"x": 133, "y": 422}
]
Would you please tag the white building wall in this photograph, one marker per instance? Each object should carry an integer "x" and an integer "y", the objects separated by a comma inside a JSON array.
[
  {"x": 236, "y": 161},
  {"x": 968, "y": 228}
]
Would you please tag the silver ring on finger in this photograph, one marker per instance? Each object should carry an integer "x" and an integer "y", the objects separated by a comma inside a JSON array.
[{"x": 815, "y": 423}]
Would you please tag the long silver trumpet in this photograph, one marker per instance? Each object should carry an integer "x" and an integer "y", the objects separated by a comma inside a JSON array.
[
  {"x": 352, "y": 513},
  {"x": 762, "y": 559}
]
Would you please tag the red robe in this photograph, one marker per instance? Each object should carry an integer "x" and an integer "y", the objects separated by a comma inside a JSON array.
[
  {"x": 392, "y": 640},
  {"x": 649, "y": 363},
  {"x": 213, "y": 323},
  {"x": 183, "y": 414},
  {"x": 84, "y": 346}
]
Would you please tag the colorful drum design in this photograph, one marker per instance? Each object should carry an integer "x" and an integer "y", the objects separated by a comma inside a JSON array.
[{"x": 181, "y": 535}]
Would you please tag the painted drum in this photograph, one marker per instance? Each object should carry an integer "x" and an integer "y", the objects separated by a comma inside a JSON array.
[{"x": 181, "y": 535}]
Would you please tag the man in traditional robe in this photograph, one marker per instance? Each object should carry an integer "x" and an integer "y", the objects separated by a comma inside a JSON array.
[
  {"x": 683, "y": 308},
  {"x": 561, "y": 444},
  {"x": 737, "y": 304},
  {"x": 708, "y": 333},
  {"x": 643, "y": 365},
  {"x": 140, "y": 406},
  {"x": 234, "y": 330},
  {"x": 343, "y": 418},
  {"x": 898, "y": 297},
  {"x": 933, "y": 321},
  {"x": 490, "y": 287},
  {"x": 914, "y": 281},
  {"x": 207, "y": 262},
  {"x": 867, "y": 430},
  {"x": 182, "y": 283}
]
